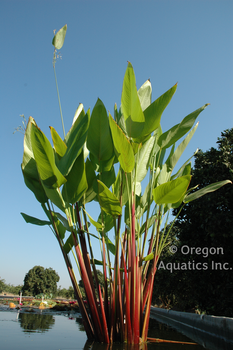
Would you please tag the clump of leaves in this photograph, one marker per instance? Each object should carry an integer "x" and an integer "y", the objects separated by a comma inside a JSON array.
[{"x": 104, "y": 159}]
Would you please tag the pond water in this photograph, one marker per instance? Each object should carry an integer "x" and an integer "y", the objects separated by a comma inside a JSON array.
[{"x": 22, "y": 330}]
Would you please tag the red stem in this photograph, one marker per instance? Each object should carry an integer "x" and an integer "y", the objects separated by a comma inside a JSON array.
[
  {"x": 89, "y": 292},
  {"x": 149, "y": 281},
  {"x": 128, "y": 320},
  {"x": 133, "y": 267},
  {"x": 112, "y": 329},
  {"x": 106, "y": 308},
  {"x": 147, "y": 313},
  {"x": 147, "y": 265},
  {"x": 86, "y": 320},
  {"x": 137, "y": 304},
  {"x": 120, "y": 307},
  {"x": 105, "y": 326}
]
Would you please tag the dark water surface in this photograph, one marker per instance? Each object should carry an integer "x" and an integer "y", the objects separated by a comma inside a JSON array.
[{"x": 22, "y": 330}]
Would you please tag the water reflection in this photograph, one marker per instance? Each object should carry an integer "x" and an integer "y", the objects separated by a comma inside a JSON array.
[
  {"x": 115, "y": 346},
  {"x": 79, "y": 322},
  {"x": 42, "y": 322},
  {"x": 66, "y": 331},
  {"x": 36, "y": 322}
]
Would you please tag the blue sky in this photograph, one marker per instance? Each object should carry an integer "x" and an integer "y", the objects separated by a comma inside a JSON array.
[{"x": 189, "y": 42}]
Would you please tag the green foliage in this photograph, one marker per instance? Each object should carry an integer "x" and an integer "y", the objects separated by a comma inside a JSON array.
[
  {"x": 131, "y": 106},
  {"x": 207, "y": 223},
  {"x": 2, "y": 285},
  {"x": 9, "y": 288},
  {"x": 172, "y": 191},
  {"x": 123, "y": 148},
  {"x": 39, "y": 280},
  {"x": 66, "y": 293},
  {"x": 99, "y": 140}
]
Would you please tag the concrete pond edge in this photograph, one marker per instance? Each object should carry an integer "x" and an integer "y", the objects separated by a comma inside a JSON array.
[{"x": 207, "y": 330}]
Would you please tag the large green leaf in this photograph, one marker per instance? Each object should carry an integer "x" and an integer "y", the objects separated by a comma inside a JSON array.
[
  {"x": 74, "y": 140},
  {"x": 90, "y": 173},
  {"x": 59, "y": 37},
  {"x": 55, "y": 196},
  {"x": 122, "y": 146},
  {"x": 173, "y": 159},
  {"x": 156, "y": 156},
  {"x": 97, "y": 225},
  {"x": 79, "y": 110},
  {"x": 144, "y": 94},
  {"x": 29, "y": 168},
  {"x": 108, "y": 201},
  {"x": 120, "y": 188},
  {"x": 58, "y": 144},
  {"x": 120, "y": 120},
  {"x": 29, "y": 163},
  {"x": 103, "y": 165},
  {"x": 146, "y": 199},
  {"x": 50, "y": 176},
  {"x": 185, "y": 170},
  {"x": 31, "y": 220},
  {"x": 35, "y": 186},
  {"x": 210, "y": 188},
  {"x": 64, "y": 221},
  {"x": 90, "y": 194},
  {"x": 107, "y": 220},
  {"x": 172, "y": 191},
  {"x": 142, "y": 159},
  {"x": 179, "y": 130},
  {"x": 180, "y": 171},
  {"x": 130, "y": 105},
  {"x": 107, "y": 177},
  {"x": 154, "y": 111},
  {"x": 76, "y": 184},
  {"x": 99, "y": 140},
  {"x": 163, "y": 175}
]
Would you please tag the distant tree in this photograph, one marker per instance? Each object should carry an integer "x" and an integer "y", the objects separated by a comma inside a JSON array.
[
  {"x": 2, "y": 285},
  {"x": 70, "y": 293},
  {"x": 205, "y": 279},
  {"x": 39, "y": 280},
  {"x": 66, "y": 293},
  {"x": 9, "y": 288},
  {"x": 100, "y": 279},
  {"x": 61, "y": 292}
]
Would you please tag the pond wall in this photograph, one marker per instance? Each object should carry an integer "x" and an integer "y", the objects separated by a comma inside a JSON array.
[{"x": 209, "y": 331}]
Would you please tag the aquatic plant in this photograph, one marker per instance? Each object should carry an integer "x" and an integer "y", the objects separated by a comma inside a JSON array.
[{"x": 105, "y": 158}]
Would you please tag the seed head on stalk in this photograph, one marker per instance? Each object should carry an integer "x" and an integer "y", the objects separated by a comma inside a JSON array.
[{"x": 58, "y": 41}]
